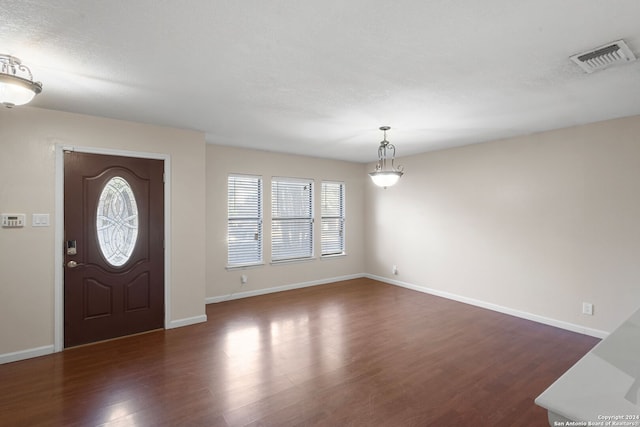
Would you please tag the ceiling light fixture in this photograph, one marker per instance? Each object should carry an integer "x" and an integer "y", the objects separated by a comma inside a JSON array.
[
  {"x": 386, "y": 176},
  {"x": 16, "y": 82}
]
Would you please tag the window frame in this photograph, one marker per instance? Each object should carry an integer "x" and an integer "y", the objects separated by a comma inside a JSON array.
[
  {"x": 259, "y": 260},
  {"x": 276, "y": 245},
  {"x": 341, "y": 217}
]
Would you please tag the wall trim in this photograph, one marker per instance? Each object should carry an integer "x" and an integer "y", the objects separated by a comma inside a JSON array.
[
  {"x": 495, "y": 307},
  {"x": 26, "y": 354},
  {"x": 187, "y": 321},
  {"x": 247, "y": 294}
]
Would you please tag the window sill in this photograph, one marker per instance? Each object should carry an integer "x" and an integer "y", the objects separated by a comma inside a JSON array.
[
  {"x": 293, "y": 261},
  {"x": 245, "y": 266},
  {"x": 333, "y": 256}
]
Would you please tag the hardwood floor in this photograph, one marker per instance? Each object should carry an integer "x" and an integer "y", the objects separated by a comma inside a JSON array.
[{"x": 353, "y": 353}]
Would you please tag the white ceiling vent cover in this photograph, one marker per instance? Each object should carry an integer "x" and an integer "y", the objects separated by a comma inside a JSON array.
[{"x": 606, "y": 56}]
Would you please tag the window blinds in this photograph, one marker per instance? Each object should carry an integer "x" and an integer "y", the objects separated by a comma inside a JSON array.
[
  {"x": 332, "y": 227},
  {"x": 245, "y": 220},
  {"x": 291, "y": 219}
]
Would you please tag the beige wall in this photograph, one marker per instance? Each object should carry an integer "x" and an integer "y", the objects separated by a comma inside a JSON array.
[
  {"x": 221, "y": 161},
  {"x": 537, "y": 224},
  {"x": 28, "y": 137}
]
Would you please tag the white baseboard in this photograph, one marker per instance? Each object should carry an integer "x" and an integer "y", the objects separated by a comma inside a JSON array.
[
  {"x": 247, "y": 294},
  {"x": 49, "y": 349},
  {"x": 187, "y": 321},
  {"x": 25, "y": 354},
  {"x": 495, "y": 307}
]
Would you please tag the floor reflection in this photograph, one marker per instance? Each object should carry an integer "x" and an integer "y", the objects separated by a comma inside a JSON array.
[
  {"x": 120, "y": 413},
  {"x": 274, "y": 352}
]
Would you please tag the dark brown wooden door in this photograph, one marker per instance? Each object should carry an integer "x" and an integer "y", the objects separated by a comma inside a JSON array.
[{"x": 114, "y": 255}]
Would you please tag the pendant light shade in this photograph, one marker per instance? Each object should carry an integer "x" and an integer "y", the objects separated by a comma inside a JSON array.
[
  {"x": 385, "y": 179},
  {"x": 16, "y": 82},
  {"x": 386, "y": 174}
]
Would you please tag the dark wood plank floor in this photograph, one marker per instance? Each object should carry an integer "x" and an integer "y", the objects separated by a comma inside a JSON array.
[{"x": 354, "y": 353}]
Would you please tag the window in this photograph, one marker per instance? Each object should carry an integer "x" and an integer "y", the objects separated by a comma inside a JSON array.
[
  {"x": 332, "y": 230},
  {"x": 117, "y": 221},
  {"x": 244, "y": 236},
  {"x": 291, "y": 219}
]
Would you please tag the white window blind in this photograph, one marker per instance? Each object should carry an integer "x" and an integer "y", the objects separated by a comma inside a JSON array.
[
  {"x": 244, "y": 237},
  {"x": 332, "y": 229},
  {"x": 291, "y": 219}
]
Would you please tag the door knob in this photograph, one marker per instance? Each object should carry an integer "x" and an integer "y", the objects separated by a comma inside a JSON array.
[{"x": 73, "y": 264}]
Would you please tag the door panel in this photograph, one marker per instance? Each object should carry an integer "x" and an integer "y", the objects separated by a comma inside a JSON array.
[
  {"x": 138, "y": 293},
  {"x": 98, "y": 299},
  {"x": 119, "y": 290}
]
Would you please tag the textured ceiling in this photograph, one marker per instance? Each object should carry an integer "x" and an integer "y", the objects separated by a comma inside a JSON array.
[{"x": 319, "y": 77}]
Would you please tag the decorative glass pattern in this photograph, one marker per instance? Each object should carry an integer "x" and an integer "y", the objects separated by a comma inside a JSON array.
[{"x": 117, "y": 221}]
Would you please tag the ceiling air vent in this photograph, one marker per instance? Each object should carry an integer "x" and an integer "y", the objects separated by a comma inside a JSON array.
[{"x": 606, "y": 56}]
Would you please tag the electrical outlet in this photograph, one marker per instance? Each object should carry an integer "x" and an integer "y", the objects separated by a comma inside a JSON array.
[
  {"x": 394, "y": 270},
  {"x": 243, "y": 279},
  {"x": 587, "y": 308}
]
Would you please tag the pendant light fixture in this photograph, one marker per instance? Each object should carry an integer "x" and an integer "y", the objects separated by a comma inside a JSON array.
[
  {"x": 16, "y": 82},
  {"x": 385, "y": 174}
]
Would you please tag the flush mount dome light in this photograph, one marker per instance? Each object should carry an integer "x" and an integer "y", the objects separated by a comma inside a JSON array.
[
  {"x": 16, "y": 82},
  {"x": 386, "y": 175}
]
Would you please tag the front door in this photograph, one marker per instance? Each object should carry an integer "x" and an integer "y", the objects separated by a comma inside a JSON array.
[{"x": 114, "y": 238}]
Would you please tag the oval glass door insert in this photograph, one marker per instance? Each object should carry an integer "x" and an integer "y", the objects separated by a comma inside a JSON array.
[{"x": 117, "y": 221}]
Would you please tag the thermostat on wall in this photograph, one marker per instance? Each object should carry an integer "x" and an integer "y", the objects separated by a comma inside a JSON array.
[{"x": 12, "y": 220}]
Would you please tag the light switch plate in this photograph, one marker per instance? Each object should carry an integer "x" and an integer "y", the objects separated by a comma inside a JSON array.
[{"x": 40, "y": 220}]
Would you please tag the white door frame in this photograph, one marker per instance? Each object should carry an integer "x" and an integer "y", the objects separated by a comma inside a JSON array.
[{"x": 58, "y": 333}]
